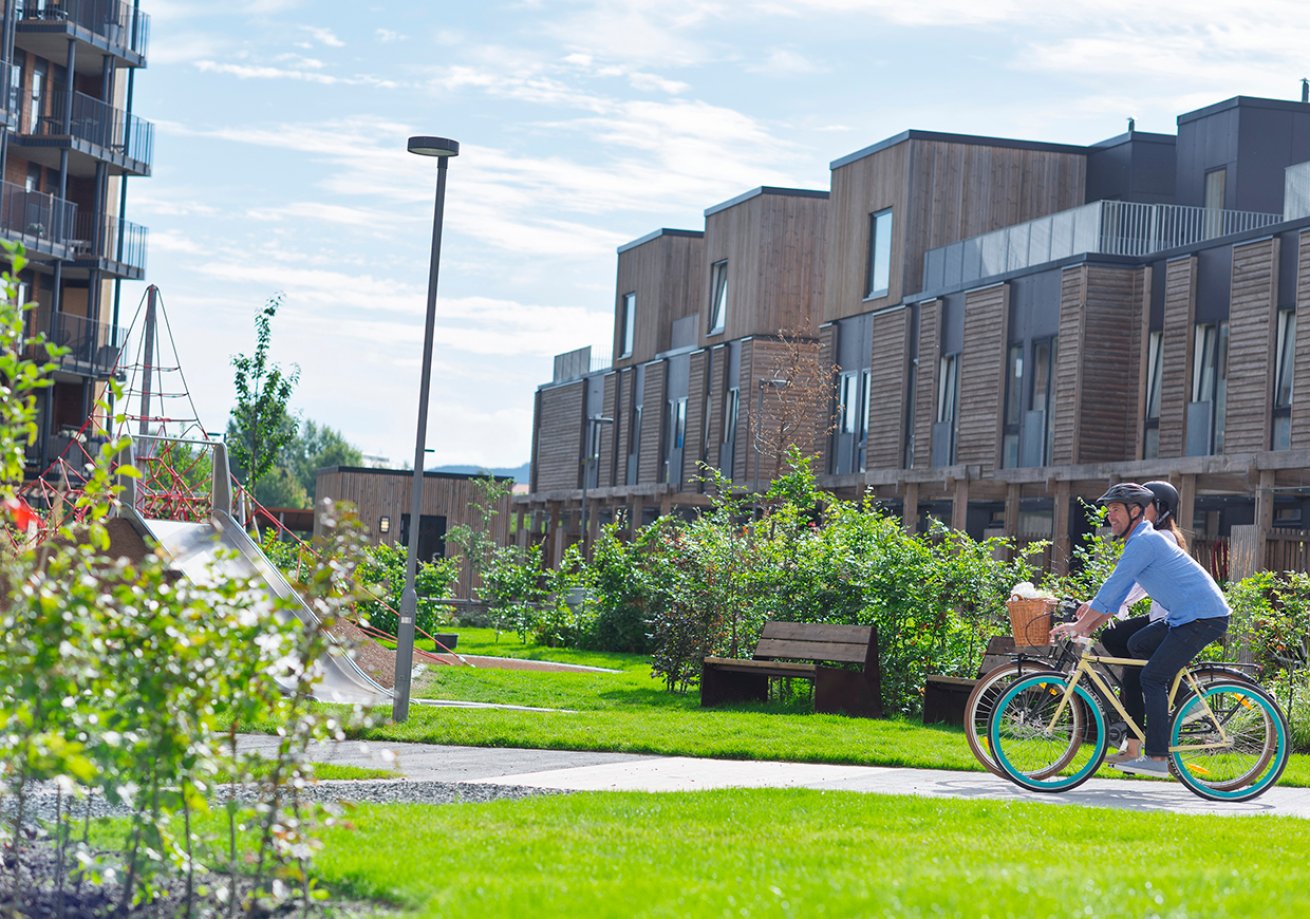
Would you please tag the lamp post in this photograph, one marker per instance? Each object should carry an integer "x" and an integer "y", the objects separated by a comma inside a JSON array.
[
  {"x": 443, "y": 149},
  {"x": 593, "y": 454}
]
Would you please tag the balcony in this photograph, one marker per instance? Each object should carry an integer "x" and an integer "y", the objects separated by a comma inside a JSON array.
[
  {"x": 106, "y": 28},
  {"x": 110, "y": 244},
  {"x": 94, "y": 348},
  {"x": 41, "y": 222},
  {"x": 93, "y": 131},
  {"x": 1108, "y": 227},
  {"x": 8, "y": 111}
]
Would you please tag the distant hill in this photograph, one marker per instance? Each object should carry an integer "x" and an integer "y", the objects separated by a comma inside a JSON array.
[{"x": 520, "y": 473}]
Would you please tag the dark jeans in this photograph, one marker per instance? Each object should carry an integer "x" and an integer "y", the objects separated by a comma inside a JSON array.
[
  {"x": 1168, "y": 650},
  {"x": 1115, "y": 639}
]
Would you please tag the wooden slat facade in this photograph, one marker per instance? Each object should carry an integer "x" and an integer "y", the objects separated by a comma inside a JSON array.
[
  {"x": 559, "y": 437},
  {"x": 1111, "y": 357},
  {"x": 609, "y": 472},
  {"x": 1176, "y": 372},
  {"x": 925, "y": 387},
  {"x": 1251, "y": 335},
  {"x": 378, "y": 493},
  {"x": 889, "y": 370},
  {"x": 1301, "y": 406},
  {"x": 666, "y": 273},
  {"x": 775, "y": 246},
  {"x": 693, "y": 451},
  {"x": 982, "y": 376},
  {"x": 1069, "y": 367},
  {"x": 651, "y": 465}
]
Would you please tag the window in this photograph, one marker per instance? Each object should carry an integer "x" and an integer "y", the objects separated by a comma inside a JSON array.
[
  {"x": 629, "y": 324},
  {"x": 850, "y": 402},
  {"x": 1154, "y": 369},
  {"x": 1013, "y": 407},
  {"x": 718, "y": 296},
  {"x": 1283, "y": 378},
  {"x": 1216, "y": 187},
  {"x": 705, "y": 429},
  {"x": 947, "y": 388},
  {"x": 880, "y": 253},
  {"x": 1043, "y": 377},
  {"x": 730, "y": 416},
  {"x": 677, "y": 422},
  {"x": 634, "y": 444},
  {"x": 1209, "y": 389},
  {"x": 37, "y": 93}
]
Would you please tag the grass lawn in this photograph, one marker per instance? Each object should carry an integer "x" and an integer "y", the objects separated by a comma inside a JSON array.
[
  {"x": 770, "y": 852},
  {"x": 629, "y": 711}
]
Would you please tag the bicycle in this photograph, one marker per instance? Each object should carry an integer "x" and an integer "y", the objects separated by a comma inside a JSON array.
[{"x": 1048, "y": 732}]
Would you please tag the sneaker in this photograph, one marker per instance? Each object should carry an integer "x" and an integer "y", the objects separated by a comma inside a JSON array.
[
  {"x": 1145, "y": 766},
  {"x": 1118, "y": 759}
]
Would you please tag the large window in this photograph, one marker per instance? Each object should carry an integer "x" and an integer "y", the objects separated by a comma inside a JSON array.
[
  {"x": 880, "y": 253},
  {"x": 629, "y": 324},
  {"x": 718, "y": 296},
  {"x": 1205, "y": 418},
  {"x": 1283, "y": 378},
  {"x": 1216, "y": 188},
  {"x": 1043, "y": 403},
  {"x": 943, "y": 431},
  {"x": 1154, "y": 369},
  {"x": 1013, "y": 406}
]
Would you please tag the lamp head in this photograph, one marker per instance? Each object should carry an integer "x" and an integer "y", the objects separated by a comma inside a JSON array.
[{"x": 433, "y": 146}]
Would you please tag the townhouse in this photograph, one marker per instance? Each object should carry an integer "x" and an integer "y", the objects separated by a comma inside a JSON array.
[
  {"x": 69, "y": 142},
  {"x": 1007, "y": 326}
]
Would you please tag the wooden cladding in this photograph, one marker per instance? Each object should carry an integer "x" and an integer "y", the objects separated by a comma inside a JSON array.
[
  {"x": 558, "y": 446},
  {"x": 982, "y": 376},
  {"x": 1301, "y": 406},
  {"x": 651, "y": 465},
  {"x": 1110, "y": 352},
  {"x": 665, "y": 274},
  {"x": 1176, "y": 377},
  {"x": 1251, "y": 359},
  {"x": 925, "y": 384},
  {"x": 889, "y": 371},
  {"x": 1069, "y": 367},
  {"x": 775, "y": 246},
  {"x": 693, "y": 451},
  {"x": 610, "y": 468}
]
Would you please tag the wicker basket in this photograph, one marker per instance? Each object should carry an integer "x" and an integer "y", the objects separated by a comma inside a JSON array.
[{"x": 1030, "y": 621}]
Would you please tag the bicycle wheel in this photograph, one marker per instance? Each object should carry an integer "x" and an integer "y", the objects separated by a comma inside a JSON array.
[
  {"x": 982, "y": 700},
  {"x": 1242, "y": 761},
  {"x": 1039, "y": 749}
]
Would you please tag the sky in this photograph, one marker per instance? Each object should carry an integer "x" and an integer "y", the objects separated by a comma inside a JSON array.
[{"x": 280, "y": 162}]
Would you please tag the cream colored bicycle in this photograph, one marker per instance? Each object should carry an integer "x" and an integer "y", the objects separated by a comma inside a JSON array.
[{"x": 1228, "y": 739}]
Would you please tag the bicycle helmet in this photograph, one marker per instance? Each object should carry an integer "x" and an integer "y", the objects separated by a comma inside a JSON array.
[
  {"x": 1166, "y": 501},
  {"x": 1130, "y": 495},
  {"x": 1127, "y": 493}
]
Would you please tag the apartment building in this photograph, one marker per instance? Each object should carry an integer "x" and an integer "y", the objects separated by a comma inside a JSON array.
[
  {"x": 69, "y": 144},
  {"x": 1012, "y": 325}
]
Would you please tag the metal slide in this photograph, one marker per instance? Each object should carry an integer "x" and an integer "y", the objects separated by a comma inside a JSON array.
[{"x": 219, "y": 549}]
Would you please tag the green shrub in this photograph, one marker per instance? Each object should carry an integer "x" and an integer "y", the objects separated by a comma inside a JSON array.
[{"x": 382, "y": 575}]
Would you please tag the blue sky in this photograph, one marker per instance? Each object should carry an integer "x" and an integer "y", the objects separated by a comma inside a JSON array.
[{"x": 280, "y": 162}]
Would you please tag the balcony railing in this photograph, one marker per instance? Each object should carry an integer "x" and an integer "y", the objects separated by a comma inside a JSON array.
[
  {"x": 110, "y": 239},
  {"x": 116, "y": 23},
  {"x": 93, "y": 347},
  {"x": 98, "y": 123},
  {"x": 1109, "y": 227},
  {"x": 37, "y": 220}
]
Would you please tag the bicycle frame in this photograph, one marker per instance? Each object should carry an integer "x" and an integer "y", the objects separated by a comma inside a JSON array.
[{"x": 1106, "y": 694}]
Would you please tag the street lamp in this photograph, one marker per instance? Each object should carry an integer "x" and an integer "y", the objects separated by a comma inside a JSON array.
[
  {"x": 592, "y": 455},
  {"x": 443, "y": 149}
]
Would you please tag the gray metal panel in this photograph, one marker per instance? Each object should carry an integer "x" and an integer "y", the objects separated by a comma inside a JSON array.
[
  {"x": 1032, "y": 439},
  {"x": 1200, "y": 428},
  {"x": 943, "y": 443}
]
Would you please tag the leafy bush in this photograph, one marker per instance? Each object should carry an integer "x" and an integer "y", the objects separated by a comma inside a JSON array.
[
  {"x": 511, "y": 586},
  {"x": 382, "y": 575},
  {"x": 621, "y": 594}
]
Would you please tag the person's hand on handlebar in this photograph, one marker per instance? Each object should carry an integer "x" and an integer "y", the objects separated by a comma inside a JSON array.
[{"x": 1085, "y": 624}]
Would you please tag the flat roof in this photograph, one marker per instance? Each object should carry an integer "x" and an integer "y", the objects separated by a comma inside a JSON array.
[
  {"x": 766, "y": 190},
  {"x": 371, "y": 470},
  {"x": 1283, "y": 105},
  {"x": 948, "y": 138},
  {"x": 656, "y": 234}
]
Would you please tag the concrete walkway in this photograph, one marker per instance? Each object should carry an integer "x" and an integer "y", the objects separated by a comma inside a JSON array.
[{"x": 583, "y": 771}]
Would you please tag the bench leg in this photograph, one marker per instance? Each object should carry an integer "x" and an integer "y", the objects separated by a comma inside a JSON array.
[
  {"x": 723, "y": 687},
  {"x": 846, "y": 692}
]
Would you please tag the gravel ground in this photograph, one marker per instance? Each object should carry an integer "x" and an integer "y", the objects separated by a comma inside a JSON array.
[{"x": 27, "y": 887}]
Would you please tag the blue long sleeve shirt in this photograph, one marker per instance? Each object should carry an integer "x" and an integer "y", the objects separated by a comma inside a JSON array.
[{"x": 1169, "y": 575}]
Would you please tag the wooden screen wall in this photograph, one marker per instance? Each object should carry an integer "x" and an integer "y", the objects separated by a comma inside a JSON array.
[
  {"x": 651, "y": 464},
  {"x": 1176, "y": 373},
  {"x": 1110, "y": 351},
  {"x": 982, "y": 376},
  {"x": 559, "y": 436},
  {"x": 1301, "y": 407},
  {"x": 889, "y": 370},
  {"x": 1069, "y": 366},
  {"x": 1252, "y": 330},
  {"x": 925, "y": 386}
]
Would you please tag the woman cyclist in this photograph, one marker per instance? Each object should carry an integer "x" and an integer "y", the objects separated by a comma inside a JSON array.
[{"x": 1197, "y": 612}]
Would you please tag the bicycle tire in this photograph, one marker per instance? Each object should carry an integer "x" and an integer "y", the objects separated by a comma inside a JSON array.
[
  {"x": 1036, "y": 754},
  {"x": 1255, "y": 756},
  {"x": 982, "y": 700}
]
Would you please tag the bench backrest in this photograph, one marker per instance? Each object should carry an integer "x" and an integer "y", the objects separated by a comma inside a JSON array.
[{"x": 817, "y": 641}]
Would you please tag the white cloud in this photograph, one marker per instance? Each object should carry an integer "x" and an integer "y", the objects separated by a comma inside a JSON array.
[{"x": 323, "y": 36}]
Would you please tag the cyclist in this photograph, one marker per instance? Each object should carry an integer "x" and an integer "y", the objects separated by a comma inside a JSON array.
[{"x": 1197, "y": 612}]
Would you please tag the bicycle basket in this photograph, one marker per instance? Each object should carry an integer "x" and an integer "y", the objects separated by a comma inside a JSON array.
[{"x": 1030, "y": 621}]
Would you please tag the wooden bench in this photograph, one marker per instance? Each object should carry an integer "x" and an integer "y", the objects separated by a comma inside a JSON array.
[
  {"x": 944, "y": 697},
  {"x": 798, "y": 650}
]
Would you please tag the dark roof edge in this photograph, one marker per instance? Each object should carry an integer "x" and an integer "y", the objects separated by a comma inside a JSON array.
[
  {"x": 370, "y": 470},
  {"x": 766, "y": 190},
  {"x": 656, "y": 234},
  {"x": 976, "y": 139},
  {"x": 1285, "y": 105},
  {"x": 1136, "y": 137}
]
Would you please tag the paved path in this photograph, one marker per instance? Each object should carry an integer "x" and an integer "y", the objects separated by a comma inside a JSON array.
[{"x": 583, "y": 771}]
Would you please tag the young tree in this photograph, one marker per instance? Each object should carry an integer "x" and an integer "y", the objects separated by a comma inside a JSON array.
[
  {"x": 261, "y": 425},
  {"x": 313, "y": 448},
  {"x": 792, "y": 404}
]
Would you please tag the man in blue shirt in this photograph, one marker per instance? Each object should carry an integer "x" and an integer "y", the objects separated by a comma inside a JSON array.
[{"x": 1198, "y": 613}]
